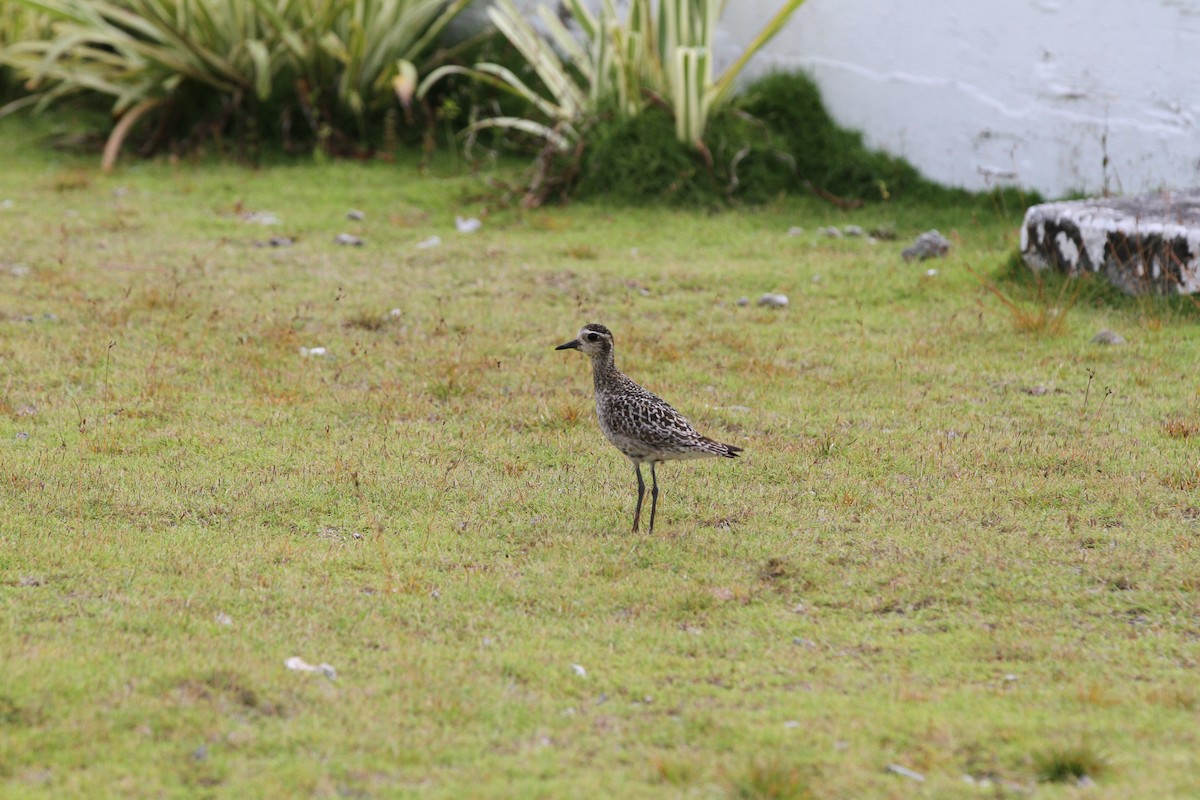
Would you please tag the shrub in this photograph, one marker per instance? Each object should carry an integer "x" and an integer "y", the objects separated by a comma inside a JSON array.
[
  {"x": 304, "y": 68},
  {"x": 639, "y": 160},
  {"x": 654, "y": 56},
  {"x": 775, "y": 138}
]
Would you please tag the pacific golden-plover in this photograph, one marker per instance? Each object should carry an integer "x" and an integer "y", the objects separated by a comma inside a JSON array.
[{"x": 639, "y": 423}]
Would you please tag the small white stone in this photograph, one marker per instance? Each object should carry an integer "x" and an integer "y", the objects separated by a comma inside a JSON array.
[
  {"x": 432, "y": 241},
  {"x": 300, "y": 665},
  {"x": 355, "y": 215},
  {"x": 579, "y": 670},
  {"x": 795, "y": 231},
  {"x": 853, "y": 230},
  {"x": 831, "y": 231},
  {"x": 791, "y": 723},
  {"x": 467, "y": 225},
  {"x": 931, "y": 273},
  {"x": 348, "y": 239},
  {"x": 223, "y": 619},
  {"x": 314, "y": 352}
]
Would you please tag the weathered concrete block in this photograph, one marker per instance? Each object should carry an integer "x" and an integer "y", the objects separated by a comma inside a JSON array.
[{"x": 1142, "y": 243}]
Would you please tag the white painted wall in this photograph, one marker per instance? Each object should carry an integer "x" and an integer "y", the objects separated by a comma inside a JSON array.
[{"x": 1018, "y": 92}]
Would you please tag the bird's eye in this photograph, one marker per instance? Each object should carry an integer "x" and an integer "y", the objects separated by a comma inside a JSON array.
[{"x": 593, "y": 337}]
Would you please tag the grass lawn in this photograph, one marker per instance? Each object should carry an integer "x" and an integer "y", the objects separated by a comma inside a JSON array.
[{"x": 957, "y": 542}]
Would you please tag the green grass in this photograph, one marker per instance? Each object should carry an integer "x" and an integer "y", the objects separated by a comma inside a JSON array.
[{"x": 922, "y": 559}]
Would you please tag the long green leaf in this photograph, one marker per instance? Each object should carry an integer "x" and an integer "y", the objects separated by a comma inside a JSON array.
[{"x": 724, "y": 84}]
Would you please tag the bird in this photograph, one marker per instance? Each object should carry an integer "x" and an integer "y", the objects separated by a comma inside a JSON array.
[{"x": 638, "y": 422}]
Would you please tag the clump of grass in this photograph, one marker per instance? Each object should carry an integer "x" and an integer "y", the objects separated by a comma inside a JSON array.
[
  {"x": 370, "y": 320},
  {"x": 73, "y": 180},
  {"x": 1044, "y": 308},
  {"x": 770, "y": 780},
  {"x": 1181, "y": 427},
  {"x": 674, "y": 771},
  {"x": 1067, "y": 764},
  {"x": 13, "y": 714},
  {"x": 581, "y": 252}
]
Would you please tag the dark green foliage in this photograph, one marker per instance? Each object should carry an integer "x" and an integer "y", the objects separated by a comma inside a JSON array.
[
  {"x": 1068, "y": 764},
  {"x": 639, "y": 161},
  {"x": 831, "y": 158},
  {"x": 776, "y": 139}
]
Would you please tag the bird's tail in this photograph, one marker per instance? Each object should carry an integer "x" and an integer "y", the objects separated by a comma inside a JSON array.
[{"x": 722, "y": 449}]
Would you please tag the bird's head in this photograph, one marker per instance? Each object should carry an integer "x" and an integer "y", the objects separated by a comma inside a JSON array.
[{"x": 594, "y": 340}]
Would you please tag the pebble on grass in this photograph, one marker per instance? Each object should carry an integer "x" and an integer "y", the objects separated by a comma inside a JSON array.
[
  {"x": 773, "y": 300},
  {"x": 1108, "y": 336},
  {"x": 300, "y": 665},
  {"x": 903, "y": 771},
  {"x": 348, "y": 239},
  {"x": 355, "y": 215},
  {"x": 467, "y": 224},
  {"x": 929, "y": 244}
]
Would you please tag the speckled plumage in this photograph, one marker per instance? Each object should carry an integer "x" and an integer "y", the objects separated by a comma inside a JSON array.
[{"x": 638, "y": 422}]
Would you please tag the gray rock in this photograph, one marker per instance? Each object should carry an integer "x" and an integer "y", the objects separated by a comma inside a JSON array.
[
  {"x": 795, "y": 230},
  {"x": 929, "y": 244},
  {"x": 348, "y": 239},
  {"x": 1107, "y": 336},
  {"x": 906, "y": 772},
  {"x": 355, "y": 215},
  {"x": 743, "y": 301},
  {"x": 773, "y": 300},
  {"x": 1141, "y": 243},
  {"x": 831, "y": 231},
  {"x": 853, "y": 230}
]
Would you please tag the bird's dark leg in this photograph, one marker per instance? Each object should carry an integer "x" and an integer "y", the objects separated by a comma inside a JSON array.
[
  {"x": 653, "y": 494},
  {"x": 637, "y": 512}
]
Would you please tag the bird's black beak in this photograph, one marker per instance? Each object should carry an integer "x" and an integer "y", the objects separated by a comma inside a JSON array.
[{"x": 571, "y": 345}]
